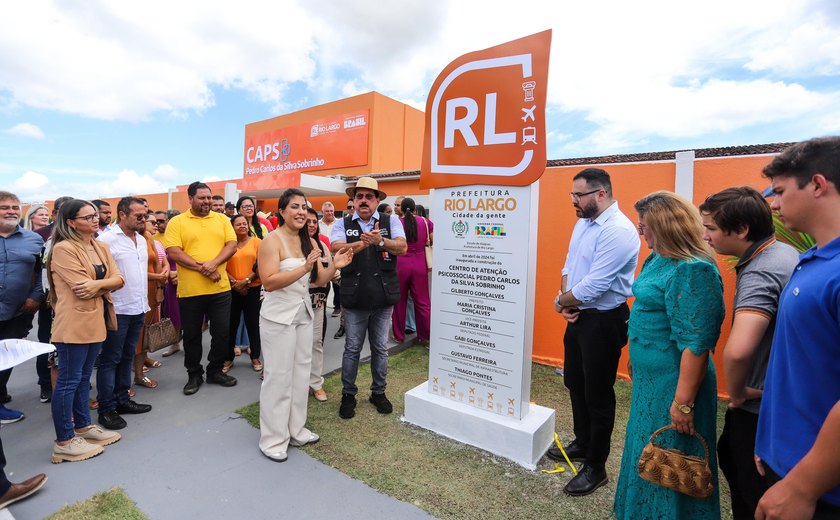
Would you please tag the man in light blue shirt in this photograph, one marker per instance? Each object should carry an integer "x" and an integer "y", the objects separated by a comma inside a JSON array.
[{"x": 597, "y": 281}]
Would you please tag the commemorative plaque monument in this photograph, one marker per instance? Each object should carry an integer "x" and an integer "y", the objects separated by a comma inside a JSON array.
[{"x": 483, "y": 155}]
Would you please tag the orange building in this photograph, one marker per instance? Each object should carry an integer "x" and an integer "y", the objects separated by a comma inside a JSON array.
[{"x": 324, "y": 149}]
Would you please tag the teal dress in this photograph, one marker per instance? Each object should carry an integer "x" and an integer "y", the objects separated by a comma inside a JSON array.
[{"x": 679, "y": 305}]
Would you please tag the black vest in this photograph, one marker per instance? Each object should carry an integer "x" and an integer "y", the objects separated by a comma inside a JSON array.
[{"x": 370, "y": 281}]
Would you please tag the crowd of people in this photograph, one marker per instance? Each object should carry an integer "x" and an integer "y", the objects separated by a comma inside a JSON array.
[
  {"x": 777, "y": 450},
  {"x": 261, "y": 283}
]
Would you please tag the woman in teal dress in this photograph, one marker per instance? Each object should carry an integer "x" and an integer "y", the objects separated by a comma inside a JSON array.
[{"x": 674, "y": 326}]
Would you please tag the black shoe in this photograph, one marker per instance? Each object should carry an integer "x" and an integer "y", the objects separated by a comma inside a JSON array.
[
  {"x": 219, "y": 378},
  {"x": 348, "y": 406},
  {"x": 7, "y": 398},
  {"x": 336, "y": 312},
  {"x": 193, "y": 384},
  {"x": 339, "y": 333},
  {"x": 382, "y": 404},
  {"x": 130, "y": 407},
  {"x": 111, "y": 420},
  {"x": 410, "y": 331},
  {"x": 586, "y": 481},
  {"x": 573, "y": 450},
  {"x": 46, "y": 395}
]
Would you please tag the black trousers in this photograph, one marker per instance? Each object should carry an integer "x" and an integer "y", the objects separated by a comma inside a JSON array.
[
  {"x": 823, "y": 511},
  {"x": 735, "y": 457},
  {"x": 592, "y": 349},
  {"x": 15, "y": 328},
  {"x": 193, "y": 310},
  {"x": 248, "y": 304},
  {"x": 42, "y": 367}
]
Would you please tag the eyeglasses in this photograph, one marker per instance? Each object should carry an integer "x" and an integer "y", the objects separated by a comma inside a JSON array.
[
  {"x": 349, "y": 207},
  {"x": 641, "y": 227},
  {"x": 89, "y": 218},
  {"x": 160, "y": 221},
  {"x": 246, "y": 206},
  {"x": 368, "y": 196},
  {"x": 577, "y": 196}
]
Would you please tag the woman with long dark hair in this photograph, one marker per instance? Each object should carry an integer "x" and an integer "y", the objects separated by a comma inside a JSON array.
[
  {"x": 413, "y": 274},
  {"x": 247, "y": 206},
  {"x": 288, "y": 262},
  {"x": 82, "y": 273},
  {"x": 318, "y": 294},
  {"x": 244, "y": 291}
]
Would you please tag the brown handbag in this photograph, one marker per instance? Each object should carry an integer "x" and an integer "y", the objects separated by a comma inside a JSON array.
[
  {"x": 673, "y": 469},
  {"x": 160, "y": 335}
]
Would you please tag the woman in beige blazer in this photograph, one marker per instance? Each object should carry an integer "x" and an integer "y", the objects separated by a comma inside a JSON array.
[{"x": 82, "y": 273}]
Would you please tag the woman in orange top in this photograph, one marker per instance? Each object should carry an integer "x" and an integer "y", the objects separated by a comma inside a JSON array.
[
  {"x": 158, "y": 274},
  {"x": 244, "y": 291}
]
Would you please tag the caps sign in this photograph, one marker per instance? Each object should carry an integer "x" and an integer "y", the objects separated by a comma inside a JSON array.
[{"x": 485, "y": 117}]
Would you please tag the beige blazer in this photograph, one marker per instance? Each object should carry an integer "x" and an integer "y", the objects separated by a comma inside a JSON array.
[{"x": 77, "y": 320}]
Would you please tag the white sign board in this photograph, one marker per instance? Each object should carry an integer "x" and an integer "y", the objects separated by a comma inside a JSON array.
[{"x": 481, "y": 333}]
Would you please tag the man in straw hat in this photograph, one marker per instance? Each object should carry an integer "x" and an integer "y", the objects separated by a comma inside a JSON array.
[{"x": 369, "y": 289}]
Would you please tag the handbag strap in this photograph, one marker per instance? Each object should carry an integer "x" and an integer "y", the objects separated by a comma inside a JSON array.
[
  {"x": 428, "y": 238},
  {"x": 699, "y": 437}
]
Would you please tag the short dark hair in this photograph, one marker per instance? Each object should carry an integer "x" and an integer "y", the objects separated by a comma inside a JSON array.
[
  {"x": 193, "y": 188},
  {"x": 734, "y": 208},
  {"x": 229, "y": 205},
  {"x": 124, "y": 205},
  {"x": 61, "y": 200},
  {"x": 806, "y": 159},
  {"x": 218, "y": 197},
  {"x": 596, "y": 178},
  {"x": 99, "y": 203},
  {"x": 160, "y": 212}
]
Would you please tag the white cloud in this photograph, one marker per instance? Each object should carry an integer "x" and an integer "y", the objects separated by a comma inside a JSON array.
[
  {"x": 30, "y": 186},
  {"x": 166, "y": 172},
  {"x": 632, "y": 72},
  {"x": 26, "y": 130}
]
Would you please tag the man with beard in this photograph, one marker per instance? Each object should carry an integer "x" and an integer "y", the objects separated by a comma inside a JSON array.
[
  {"x": 113, "y": 377},
  {"x": 20, "y": 281},
  {"x": 369, "y": 290},
  {"x": 597, "y": 281},
  {"x": 217, "y": 204},
  {"x": 104, "y": 210},
  {"x": 201, "y": 241},
  {"x": 398, "y": 206}
]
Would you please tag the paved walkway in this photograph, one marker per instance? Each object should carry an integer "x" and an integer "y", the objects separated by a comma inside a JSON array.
[{"x": 191, "y": 457}]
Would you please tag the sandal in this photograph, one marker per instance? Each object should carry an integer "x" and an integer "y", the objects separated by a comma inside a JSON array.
[
  {"x": 237, "y": 351},
  {"x": 148, "y": 383},
  {"x": 93, "y": 404},
  {"x": 151, "y": 363},
  {"x": 131, "y": 393},
  {"x": 145, "y": 369},
  {"x": 257, "y": 364},
  {"x": 227, "y": 366}
]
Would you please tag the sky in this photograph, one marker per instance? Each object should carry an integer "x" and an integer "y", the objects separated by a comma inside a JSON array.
[{"x": 106, "y": 98}]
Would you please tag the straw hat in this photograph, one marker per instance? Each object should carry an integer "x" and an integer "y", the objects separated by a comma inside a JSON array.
[{"x": 369, "y": 183}]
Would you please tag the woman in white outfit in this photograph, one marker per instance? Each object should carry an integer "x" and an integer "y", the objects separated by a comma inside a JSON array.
[{"x": 288, "y": 259}]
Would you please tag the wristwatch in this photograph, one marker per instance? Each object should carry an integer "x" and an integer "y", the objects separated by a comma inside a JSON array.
[
  {"x": 381, "y": 243},
  {"x": 684, "y": 408}
]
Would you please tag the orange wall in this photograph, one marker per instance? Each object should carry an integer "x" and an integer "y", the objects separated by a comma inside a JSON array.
[{"x": 630, "y": 183}]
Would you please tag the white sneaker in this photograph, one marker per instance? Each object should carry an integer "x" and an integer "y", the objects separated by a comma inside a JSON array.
[
  {"x": 277, "y": 456},
  {"x": 313, "y": 438},
  {"x": 78, "y": 449},
  {"x": 95, "y": 434}
]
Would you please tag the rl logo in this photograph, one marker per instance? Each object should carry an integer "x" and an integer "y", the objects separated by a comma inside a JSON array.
[{"x": 485, "y": 117}]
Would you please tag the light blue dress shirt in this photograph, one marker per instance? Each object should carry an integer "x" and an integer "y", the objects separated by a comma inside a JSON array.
[{"x": 602, "y": 258}]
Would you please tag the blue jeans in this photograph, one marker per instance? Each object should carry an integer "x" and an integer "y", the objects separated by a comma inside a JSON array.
[
  {"x": 70, "y": 406},
  {"x": 113, "y": 378},
  {"x": 358, "y": 323}
]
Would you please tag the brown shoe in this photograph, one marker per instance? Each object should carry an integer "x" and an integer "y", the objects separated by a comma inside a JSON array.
[
  {"x": 319, "y": 394},
  {"x": 23, "y": 490}
]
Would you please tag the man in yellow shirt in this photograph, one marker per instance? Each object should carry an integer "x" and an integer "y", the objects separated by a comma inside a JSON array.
[{"x": 201, "y": 242}]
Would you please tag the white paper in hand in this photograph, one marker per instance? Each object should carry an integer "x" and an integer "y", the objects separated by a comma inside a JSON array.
[{"x": 13, "y": 352}]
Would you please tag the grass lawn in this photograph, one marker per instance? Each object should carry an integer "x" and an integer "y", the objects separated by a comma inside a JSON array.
[
  {"x": 113, "y": 504},
  {"x": 448, "y": 479}
]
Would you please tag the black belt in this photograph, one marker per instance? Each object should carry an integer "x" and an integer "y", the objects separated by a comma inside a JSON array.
[{"x": 598, "y": 311}]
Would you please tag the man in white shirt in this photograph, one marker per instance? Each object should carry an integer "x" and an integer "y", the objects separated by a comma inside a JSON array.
[
  {"x": 597, "y": 281},
  {"x": 131, "y": 254}
]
